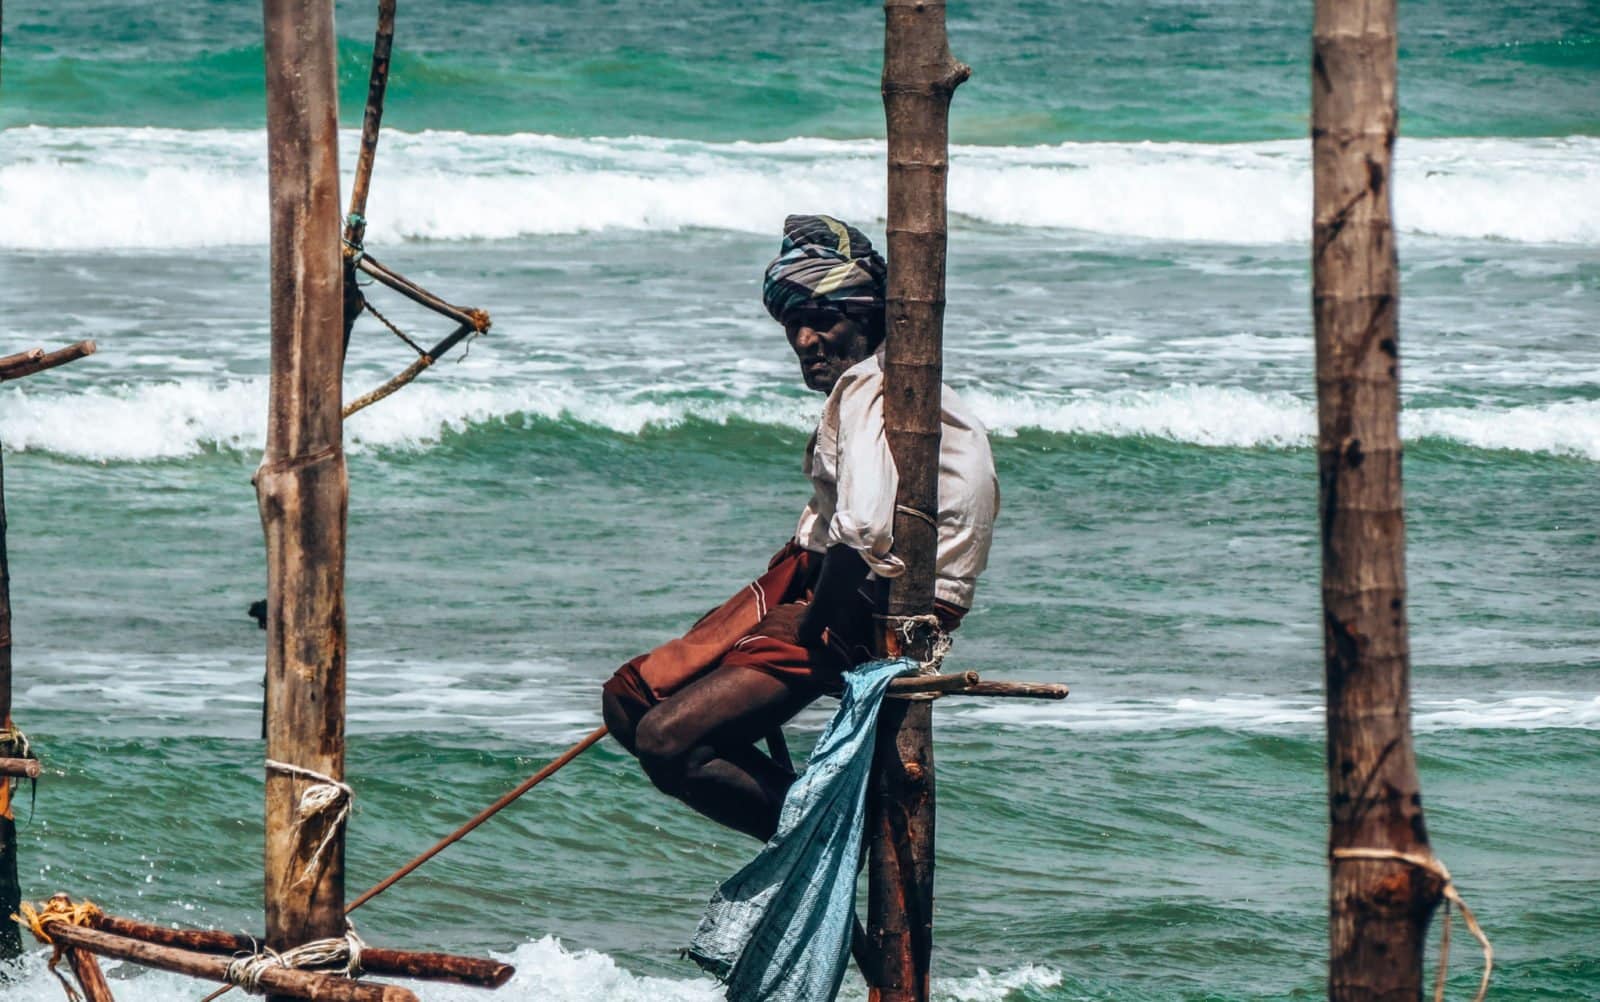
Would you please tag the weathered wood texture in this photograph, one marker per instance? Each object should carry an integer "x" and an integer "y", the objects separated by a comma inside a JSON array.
[
  {"x": 90, "y": 978},
  {"x": 302, "y": 483},
  {"x": 280, "y": 982},
  {"x": 377, "y": 82},
  {"x": 1378, "y": 910},
  {"x": 422, "y": 965},
  {"x": 28, "y": 362},
  {"x": 10, "y": 887},
  {"x": 919, "y": 77}
]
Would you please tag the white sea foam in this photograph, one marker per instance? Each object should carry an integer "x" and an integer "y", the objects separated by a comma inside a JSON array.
[
  {"x": 160, "y": 188},
  {"x": 174, "y": 419},
  {"x": 1254, "y": 713},
  {"x": 549, "y": 972}
]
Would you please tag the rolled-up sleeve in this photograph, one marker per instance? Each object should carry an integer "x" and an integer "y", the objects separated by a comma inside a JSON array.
[{"x": 864, "y": 517}]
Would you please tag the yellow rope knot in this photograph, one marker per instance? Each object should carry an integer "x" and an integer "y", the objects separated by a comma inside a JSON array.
[{"x": 58, "y": 909}]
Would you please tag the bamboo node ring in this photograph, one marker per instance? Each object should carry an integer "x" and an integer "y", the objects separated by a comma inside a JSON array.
[{"x": 1431, "y": 864}]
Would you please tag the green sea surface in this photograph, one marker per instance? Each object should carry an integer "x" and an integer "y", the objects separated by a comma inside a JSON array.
[{"x": 621, "y": 451}]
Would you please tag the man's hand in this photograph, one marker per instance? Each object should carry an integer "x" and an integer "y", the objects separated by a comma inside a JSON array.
[{"x": 843, "y": 570}]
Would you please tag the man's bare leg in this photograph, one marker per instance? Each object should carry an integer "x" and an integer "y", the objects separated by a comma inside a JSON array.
[{"x": 699, "y": 746}]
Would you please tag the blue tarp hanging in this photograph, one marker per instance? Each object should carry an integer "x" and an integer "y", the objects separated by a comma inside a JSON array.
[{"x": 779, "y": 929}]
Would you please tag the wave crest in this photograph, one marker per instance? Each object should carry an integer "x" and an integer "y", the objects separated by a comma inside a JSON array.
[
  {"x": 172, "y": 420},
  {"x": 164, "y": 188}
]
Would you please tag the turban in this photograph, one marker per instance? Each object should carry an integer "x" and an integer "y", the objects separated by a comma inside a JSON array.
[{"x": 823, "y": 262}]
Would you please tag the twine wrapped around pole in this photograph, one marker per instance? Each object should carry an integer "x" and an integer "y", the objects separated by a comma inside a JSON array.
[
  {"x": 343, "y": 954},
  {"x": 326, "y": 796}
]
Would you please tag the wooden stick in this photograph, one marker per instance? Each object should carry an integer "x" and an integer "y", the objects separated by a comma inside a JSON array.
[
  {"x": 10, "y": 886},
  {"x": 27, "y": 363},
  {"x": 355, "y": 230},
  {"x": 420, "y": 965},
  {"x": 90, "y": 978},
  {"x": 399, "y": 283},
  {"x": 302, "y": 483},
  {"x": 281, "y": 982},
  {"x": 1013, "y": 690},
  {"x": 1379, "y": 909},
  {"x": 411, "y": 371},
  {"x": 935, "y": 683},
  {"x": 919, "y": 78},
  {"x": 484, "y": 815},
  {"x": 24, "y": 768},
  {"x": 20, "y": 358}
]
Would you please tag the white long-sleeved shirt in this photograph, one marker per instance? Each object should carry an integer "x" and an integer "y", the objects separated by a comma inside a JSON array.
[{"x": 854, "y": 480}]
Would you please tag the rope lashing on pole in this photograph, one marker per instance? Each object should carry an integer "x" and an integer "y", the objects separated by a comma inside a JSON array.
[
  {"x": 1431, "y": 864},
  {"x": 341, "y": 955},
  {"x": 37, "y": 919},
  {"x": 908, "y": 627},
  {"x": 326, "y": 796}
]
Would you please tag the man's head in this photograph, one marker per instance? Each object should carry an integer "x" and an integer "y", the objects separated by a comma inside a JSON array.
[{"x": 826, "y": 287}]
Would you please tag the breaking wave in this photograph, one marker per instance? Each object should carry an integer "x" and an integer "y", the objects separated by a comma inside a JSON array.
[
  {"x": 166, "y": 188},
  {"x": 548, "y": 971},
  {"x": 172, "y": 420}
]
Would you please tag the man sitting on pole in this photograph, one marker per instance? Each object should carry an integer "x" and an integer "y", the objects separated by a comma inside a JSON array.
[{"x": 693, "y": 709}]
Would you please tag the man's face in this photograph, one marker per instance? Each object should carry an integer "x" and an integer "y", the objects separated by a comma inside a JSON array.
[{"x": 826, "y": 342}]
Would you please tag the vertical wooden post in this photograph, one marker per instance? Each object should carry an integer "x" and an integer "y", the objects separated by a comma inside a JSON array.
[
  {"x": 301, "y": 485},
  {"x": 919, "y": 77},
  {"x": 1378, "y": 908},
  {"x": 10, "y": 887}
]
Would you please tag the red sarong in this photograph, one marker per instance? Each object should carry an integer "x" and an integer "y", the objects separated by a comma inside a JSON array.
[{"x": 755, "y": 629}]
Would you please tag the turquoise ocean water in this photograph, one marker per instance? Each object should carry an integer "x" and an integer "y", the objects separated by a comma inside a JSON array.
[{"x": 1129, "y": 312}]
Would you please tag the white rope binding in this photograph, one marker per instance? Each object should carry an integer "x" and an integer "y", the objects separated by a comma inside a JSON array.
[
  {"x": 344, "y": 954},
  {"x": 1431, "y": 864},
  {"x": 907, "y": 628},
  {"x": 324, "y": 796}
]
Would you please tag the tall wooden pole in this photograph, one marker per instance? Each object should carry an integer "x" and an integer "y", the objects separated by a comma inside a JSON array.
[
  {"x": 10, "y": 887},
  {"x": 302, "y": 486},
  {"x": 919, "y": 77},
  {"x": 1378, "y": 908}
]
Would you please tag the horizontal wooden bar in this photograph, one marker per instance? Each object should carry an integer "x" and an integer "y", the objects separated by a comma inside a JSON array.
[
  {"x": 968, "y": 683},
  {"x": 1016, "y": 690},
  {"x": 309, "y": 985},
  {"x": 420, "y": 965},
  {"x": 27, "y": 768},
  {"x": 934, "y": 683},
  {"x": 28, "y": 363}
]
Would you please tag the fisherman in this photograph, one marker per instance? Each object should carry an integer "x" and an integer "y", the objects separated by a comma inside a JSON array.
[{"x": 693, "y": 709}]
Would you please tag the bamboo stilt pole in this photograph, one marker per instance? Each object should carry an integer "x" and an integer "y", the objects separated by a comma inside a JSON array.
[
  {"x": 302, "y": 483},
  {"x": 10, "y": 887},
  {"x": 1379, "y": 909},
  {"x": 355, "y": 231},
  {"x": 919, "y": 78}
]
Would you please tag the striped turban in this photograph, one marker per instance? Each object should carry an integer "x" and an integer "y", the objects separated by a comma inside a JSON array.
[{"x": 823, "y": 262}]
